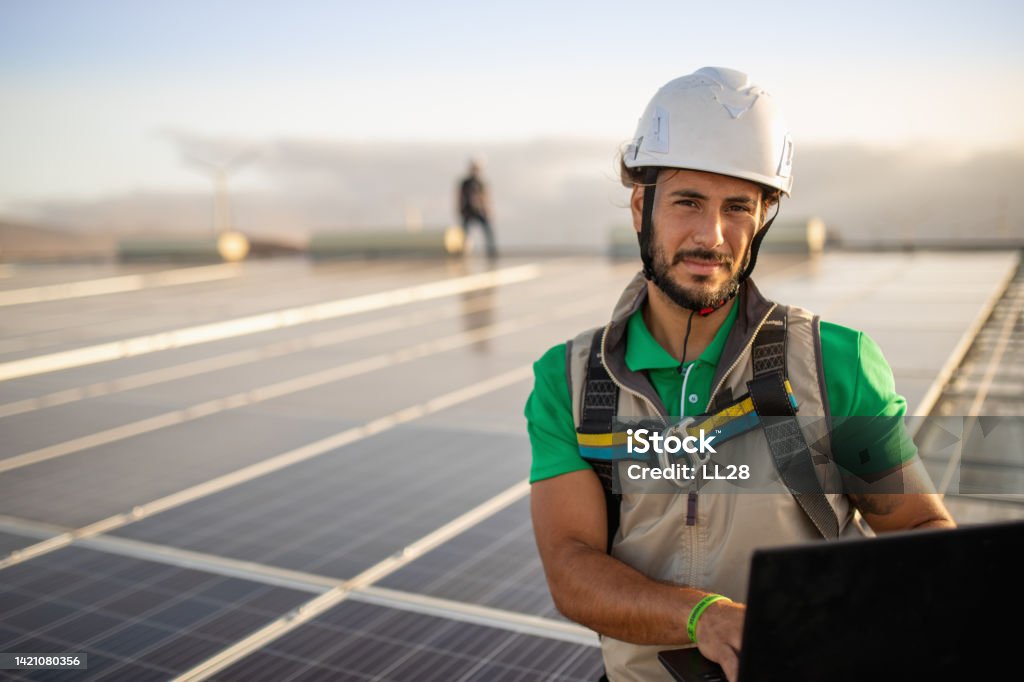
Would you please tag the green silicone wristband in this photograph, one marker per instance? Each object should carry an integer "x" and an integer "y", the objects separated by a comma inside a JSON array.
[{"x": 702, "y": 605}]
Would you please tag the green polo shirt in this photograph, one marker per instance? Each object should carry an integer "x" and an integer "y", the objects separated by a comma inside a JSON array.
[{"x": 858, "y": 381}]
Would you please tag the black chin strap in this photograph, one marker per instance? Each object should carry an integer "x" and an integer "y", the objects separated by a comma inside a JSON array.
[
  {"x": 650, "y": 180},
  {"x": 647, "y": 222},
  {"x": 686, "y": 341},
  {"x": 755, "y": 244}
]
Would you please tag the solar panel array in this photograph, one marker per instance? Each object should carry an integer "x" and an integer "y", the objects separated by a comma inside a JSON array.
[
  {"x": 163, "y": 591},
  {"x": 364, "y": 445}
]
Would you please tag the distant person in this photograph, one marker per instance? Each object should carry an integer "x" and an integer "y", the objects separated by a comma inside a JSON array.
[
  {"x": 693, "y": 345},
  {"x": 475, "y": 206}
]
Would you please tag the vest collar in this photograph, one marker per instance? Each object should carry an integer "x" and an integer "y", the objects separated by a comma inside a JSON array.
[{"x": 752, "y": 309}]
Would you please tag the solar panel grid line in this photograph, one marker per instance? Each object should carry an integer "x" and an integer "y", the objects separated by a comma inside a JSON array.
[
  {"x": 235, "y": 358},
  {"x": 164, "y": 618},
  {"x": 206, "y": 365},
  {"x": 304, "y": 666},
  {"x": 328, "y": 641},
  {"x": 267, "y": 667},
  {"x": 440, "y": 671},
  {"x": 353, "y": 639},
  {"x": 470, "y": 651},
  {"x": 129, "y": 587},
  {"x": 67, "y": 272},
  {"x": 335, "y": 596},
  {"x": 289, "y": 386},
  {"x": 466, "y": 569},
  {"x": 248, "y": 570},
  {"x": 376, "y": 510},
  {"x": 225, "y": 294},
  {"x": 488, "y": 588},
  {"x": 475, "y": 614},
  {"x": 404, "y": 637},
  {"x": 296, "y": 580},
  {"x": 529, "y": 659},
  {"x": 65, "y": 592},
  {"x": 548, "y": 266},
  {"x": 112, "y": 322},
  {"x": 118, "y": 284},
  {"x": 261, "y": 322},
  {"x": 276, "y": 463},
  {"x": 67, "y": 645}
]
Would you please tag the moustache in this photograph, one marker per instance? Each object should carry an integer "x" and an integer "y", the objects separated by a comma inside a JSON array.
[{"x": 704, "y": 255}]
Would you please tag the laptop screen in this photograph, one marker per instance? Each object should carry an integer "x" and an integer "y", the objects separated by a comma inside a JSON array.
[{"x": 931, "y": 604}]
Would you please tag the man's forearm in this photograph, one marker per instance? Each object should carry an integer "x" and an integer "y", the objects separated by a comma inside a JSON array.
[{"x": 604, "y": 594}]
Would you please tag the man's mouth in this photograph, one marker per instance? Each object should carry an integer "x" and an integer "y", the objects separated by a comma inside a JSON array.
[
  {"x": 701, "y": 267},
  {"x": 703, "y": 264}
]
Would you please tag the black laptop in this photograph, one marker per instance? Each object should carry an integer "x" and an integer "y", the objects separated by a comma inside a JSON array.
[{"x": 919, "y": 605}]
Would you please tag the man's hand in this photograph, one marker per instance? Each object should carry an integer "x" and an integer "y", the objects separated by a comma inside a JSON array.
[{"x": 720, "y": 634}]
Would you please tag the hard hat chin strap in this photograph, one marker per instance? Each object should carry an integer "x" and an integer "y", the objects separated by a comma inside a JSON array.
[
  {"x": 755, "y": 244},
  {"x": 650, "y": 180},
  {"x": 647, "y": 222}
]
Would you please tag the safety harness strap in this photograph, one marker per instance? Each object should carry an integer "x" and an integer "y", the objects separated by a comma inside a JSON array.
[
  {"x": 769, "y": 404},
  {"x": 600, "y": 401},
  {"x": 781, "y": 430}
]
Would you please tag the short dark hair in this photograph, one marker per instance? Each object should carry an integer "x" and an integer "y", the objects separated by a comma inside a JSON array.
[{"x": 631, "y": 177}]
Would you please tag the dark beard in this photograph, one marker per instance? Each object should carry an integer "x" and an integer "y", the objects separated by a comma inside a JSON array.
[{"x": 701, "y": 298}]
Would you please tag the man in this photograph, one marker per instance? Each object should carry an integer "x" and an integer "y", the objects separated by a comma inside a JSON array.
[
  {"x": 691, "y": 335},
  {"x": 474, "y": 206}
]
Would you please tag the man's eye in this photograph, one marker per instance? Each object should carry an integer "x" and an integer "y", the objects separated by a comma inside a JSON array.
[
  {"x": 686, "y": 202},
  {"x": 740, "y": 207}
]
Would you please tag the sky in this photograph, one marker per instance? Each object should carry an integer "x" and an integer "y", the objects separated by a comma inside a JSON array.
[{"x": 100, "y": 99}]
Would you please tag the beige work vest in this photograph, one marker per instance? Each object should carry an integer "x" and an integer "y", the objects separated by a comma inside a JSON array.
[{"x": 713, "y": 554}]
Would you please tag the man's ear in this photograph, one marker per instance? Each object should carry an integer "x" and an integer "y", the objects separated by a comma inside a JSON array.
[{"x": 636, "y": 205}]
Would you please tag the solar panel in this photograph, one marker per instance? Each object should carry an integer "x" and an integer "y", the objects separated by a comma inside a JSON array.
[
  {"x": 494, "y": 563},
  {"x": 136, "y": 619},
  {"x": 358, "y": 641},
  {"x": 342, "y": 512},
  {"x": 80, "y": 488},
  {"x": 12, "y": 541}
]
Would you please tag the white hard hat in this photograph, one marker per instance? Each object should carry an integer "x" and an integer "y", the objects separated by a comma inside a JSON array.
[{"x": 715, "y": 120}]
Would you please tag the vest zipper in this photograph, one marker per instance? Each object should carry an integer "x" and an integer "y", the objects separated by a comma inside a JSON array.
[
  {"x": 611, "y": 375},
  {"x": 691, "y": 497},
  {"x": 746, "y": 349}
]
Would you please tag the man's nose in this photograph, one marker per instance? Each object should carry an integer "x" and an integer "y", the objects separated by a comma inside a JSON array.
[{"x": 708, "y": 233}]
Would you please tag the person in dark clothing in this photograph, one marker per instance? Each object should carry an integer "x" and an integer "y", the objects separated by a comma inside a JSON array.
[{"x": 474, "y": 206}]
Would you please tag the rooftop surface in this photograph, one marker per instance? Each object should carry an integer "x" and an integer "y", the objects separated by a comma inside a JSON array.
[{"x": 287, "y": 470}]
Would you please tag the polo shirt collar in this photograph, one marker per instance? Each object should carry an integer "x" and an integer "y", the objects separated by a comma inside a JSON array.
[{"x": 644, "y": 352}]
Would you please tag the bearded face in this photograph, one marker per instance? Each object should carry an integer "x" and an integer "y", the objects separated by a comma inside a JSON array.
[
  {"x": 702, "y": 293},
  {"x": 697, "y": 244}
]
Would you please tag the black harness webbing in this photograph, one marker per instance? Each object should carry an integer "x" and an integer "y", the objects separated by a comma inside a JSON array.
[
  {"x": 792, "y": 456},
  {"x": 785, "y": 439},
  {"x": 600, "y": 401}
]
